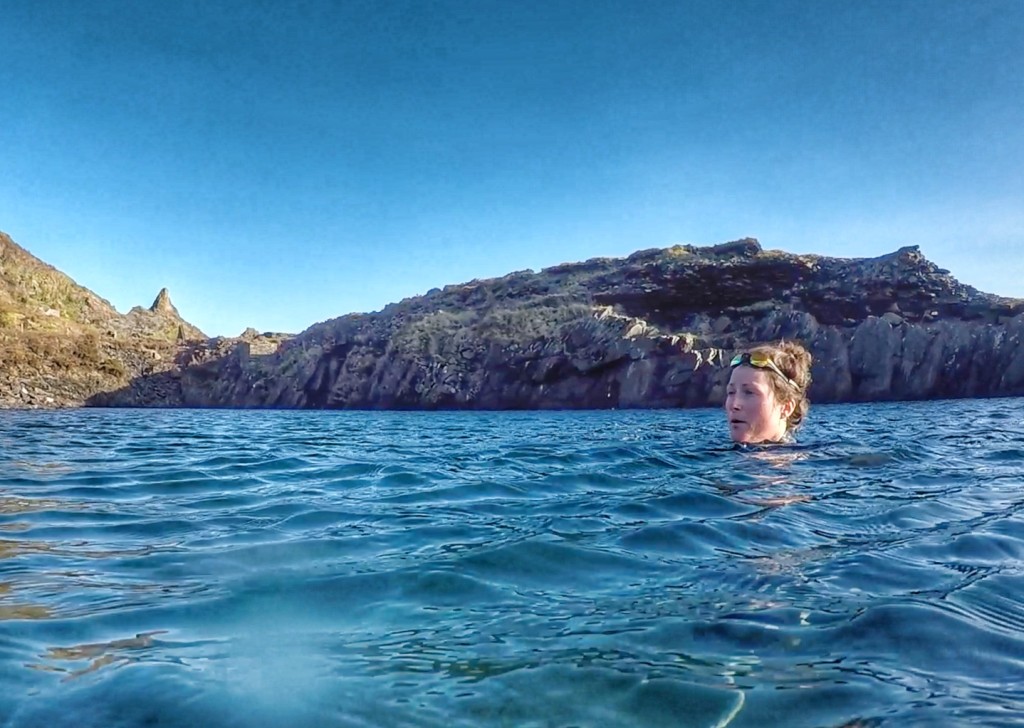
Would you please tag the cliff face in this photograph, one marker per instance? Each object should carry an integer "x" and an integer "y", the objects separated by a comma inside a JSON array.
[
  {"x": 653, "y": 330},
  {"x": 60, "y": 343}
]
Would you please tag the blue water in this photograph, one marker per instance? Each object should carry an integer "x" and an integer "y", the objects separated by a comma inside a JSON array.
[{"x": 212, "y": 568}]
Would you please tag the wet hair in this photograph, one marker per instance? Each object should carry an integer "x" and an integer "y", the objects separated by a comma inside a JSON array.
[{"x": 795, "y": 362}]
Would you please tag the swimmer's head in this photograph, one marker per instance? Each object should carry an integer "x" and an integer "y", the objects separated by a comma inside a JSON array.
[{"x": 766, "y": 398}]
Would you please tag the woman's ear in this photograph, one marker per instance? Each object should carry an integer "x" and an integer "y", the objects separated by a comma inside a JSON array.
[{"x": 787, "y": 408}]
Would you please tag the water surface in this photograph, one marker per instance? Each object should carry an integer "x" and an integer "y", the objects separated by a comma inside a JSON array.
[{"x": 182, "y": 568}]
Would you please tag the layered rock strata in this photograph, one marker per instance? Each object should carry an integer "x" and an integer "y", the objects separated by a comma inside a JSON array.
[{"x": 655, "y": 329}]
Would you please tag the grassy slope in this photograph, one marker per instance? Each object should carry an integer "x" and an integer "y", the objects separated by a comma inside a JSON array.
[{"x": 61, "y": 343}]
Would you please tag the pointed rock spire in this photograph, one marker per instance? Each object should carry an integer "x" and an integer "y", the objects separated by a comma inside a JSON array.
[{"x": 163, "y": 304}]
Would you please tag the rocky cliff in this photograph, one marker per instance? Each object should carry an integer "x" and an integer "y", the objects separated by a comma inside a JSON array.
[
  {"x": 652, "y": 330},
  {"x": 60, "y": 343}
]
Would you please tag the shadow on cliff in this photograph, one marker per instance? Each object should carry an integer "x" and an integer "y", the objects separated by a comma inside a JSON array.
[
  {"x": 577, "y": 371},
  {"x": 879, "y": 359},
  {"x": 197, "y": 376},
  {"x": 653, "y": 330}
]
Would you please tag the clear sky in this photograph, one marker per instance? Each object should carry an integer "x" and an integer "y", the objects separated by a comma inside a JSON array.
[{"x": 275, "y": 164}]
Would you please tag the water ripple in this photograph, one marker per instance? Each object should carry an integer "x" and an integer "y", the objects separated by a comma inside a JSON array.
[{"x": 490, "y": 569}]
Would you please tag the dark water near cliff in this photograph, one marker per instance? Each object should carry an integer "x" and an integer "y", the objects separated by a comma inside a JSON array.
[{"x": 187, "y": 568}]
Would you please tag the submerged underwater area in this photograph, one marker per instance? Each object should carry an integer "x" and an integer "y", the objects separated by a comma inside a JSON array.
[{"x": 254, "y": 568}]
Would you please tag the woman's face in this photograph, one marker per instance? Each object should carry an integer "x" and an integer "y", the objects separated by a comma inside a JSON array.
[{"x": 751, "y": 409}]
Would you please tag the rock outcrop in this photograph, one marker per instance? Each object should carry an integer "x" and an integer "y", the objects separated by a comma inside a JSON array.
[
  {"x": 61, "y": 344},
  {"x": 162, "y": 304},
  {"x": 164, "y": 318},
  {"x": 652, "y": 330}
]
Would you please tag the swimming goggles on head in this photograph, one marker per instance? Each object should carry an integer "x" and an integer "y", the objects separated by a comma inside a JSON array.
[{"x": 761, "y": 361}]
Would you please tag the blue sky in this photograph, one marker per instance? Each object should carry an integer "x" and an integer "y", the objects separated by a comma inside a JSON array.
[{"x": 275, "y": 164}]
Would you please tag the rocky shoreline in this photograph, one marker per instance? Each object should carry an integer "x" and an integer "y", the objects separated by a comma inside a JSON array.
[
  {"x": 61, "y": 344},
  {"x": 653, "y": 330}
]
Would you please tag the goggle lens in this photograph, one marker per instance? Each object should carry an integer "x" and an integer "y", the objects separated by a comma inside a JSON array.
[{"x": 761, "y": 361}]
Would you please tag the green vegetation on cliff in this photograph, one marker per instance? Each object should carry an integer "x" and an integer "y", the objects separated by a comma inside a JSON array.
[
  {"x": 60, "y": 343},
  {"x": 653, "y": 329}
]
